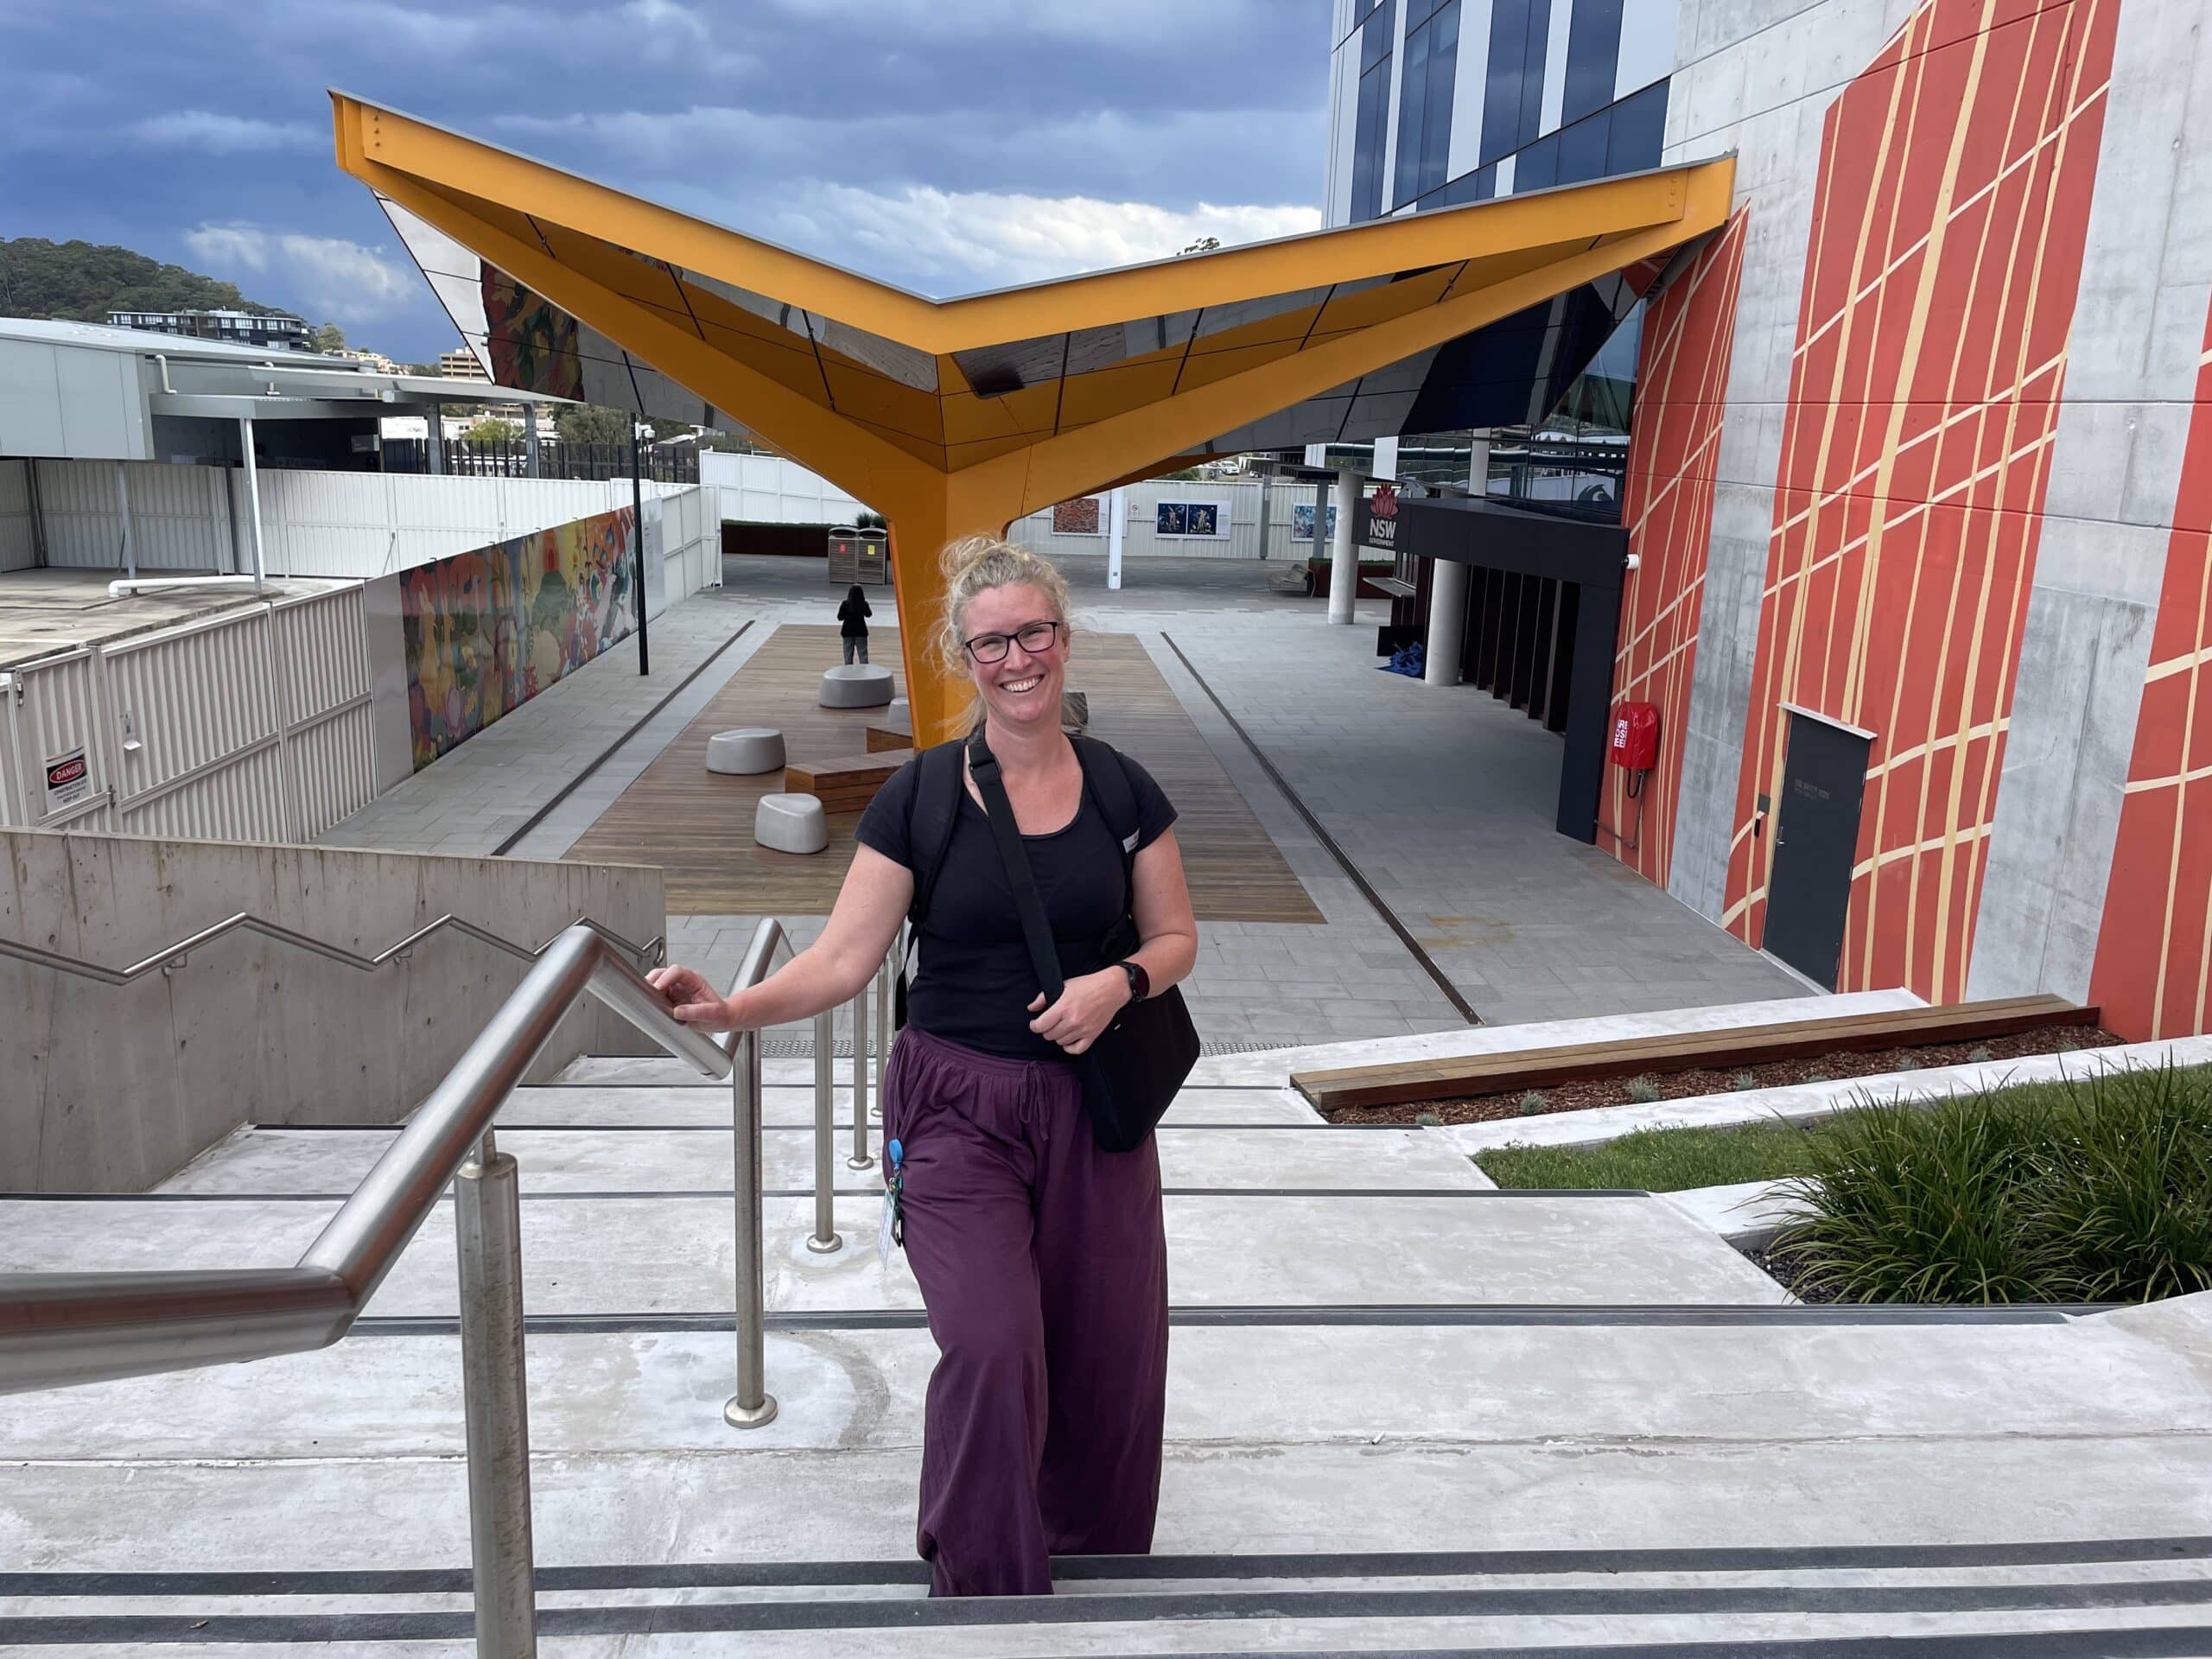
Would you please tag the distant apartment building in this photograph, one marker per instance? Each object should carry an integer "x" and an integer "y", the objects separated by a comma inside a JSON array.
[
  {"x": 376, "y": 360},
  {"x": 231, "y": 327},
  {"x": 460, "y": 364}
]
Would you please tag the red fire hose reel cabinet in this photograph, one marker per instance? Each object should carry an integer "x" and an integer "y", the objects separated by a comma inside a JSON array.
[{"x": 1635, "y": 746}]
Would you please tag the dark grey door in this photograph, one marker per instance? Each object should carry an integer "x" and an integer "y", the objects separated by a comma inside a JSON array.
[{"x": 1815, "y": 843}]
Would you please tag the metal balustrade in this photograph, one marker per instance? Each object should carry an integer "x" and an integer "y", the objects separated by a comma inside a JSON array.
[{"x": 62, "y": 1329}]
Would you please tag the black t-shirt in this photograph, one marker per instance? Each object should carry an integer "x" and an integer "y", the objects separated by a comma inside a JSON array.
[
  {"x": 850, "y": 613},
  {"x": 973, "y": 980}
]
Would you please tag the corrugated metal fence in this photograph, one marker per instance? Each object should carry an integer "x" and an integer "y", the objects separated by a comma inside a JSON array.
[
  {"x": 252, "y": 724},
  {"x": 18, "y": 541}
]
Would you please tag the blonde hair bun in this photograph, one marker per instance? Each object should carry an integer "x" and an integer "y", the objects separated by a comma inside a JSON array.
[{"x": 974, "y": 564}]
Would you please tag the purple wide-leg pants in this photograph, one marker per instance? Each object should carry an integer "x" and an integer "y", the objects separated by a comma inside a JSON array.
[{"x": 1043, "y": 1264}]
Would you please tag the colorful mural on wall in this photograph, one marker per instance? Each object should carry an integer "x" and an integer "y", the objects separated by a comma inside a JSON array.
[
  {"x": 488, "y": 630},
  {"x": 532, "y": 341},
  {"x": 1939, "y": 287},
  {"x": 1667, "y": 503},
  {"x": 2154, "y": 951}
]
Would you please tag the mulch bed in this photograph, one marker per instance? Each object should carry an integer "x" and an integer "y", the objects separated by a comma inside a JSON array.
[
  {"x": 1677, "y": 1085},
  {"x": 1784, "y": 1271}
]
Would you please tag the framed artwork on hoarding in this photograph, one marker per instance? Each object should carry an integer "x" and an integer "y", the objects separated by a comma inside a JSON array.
[
  {"x": 1206, "y": 520},
  {"x": 1076, "y": 517},
  {"x": 1301, "y": 521}
]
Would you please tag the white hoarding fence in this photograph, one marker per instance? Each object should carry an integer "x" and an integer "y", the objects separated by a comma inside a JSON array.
[
  {"x": 350, "y": 526},
  {"x": 250, "y": 724}
]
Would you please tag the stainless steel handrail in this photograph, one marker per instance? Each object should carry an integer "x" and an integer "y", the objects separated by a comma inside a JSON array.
[
  {"x": 751, "y": 1405},
  {"x": 649, "y": 953},
  {"x": 57, "y": 1329}
]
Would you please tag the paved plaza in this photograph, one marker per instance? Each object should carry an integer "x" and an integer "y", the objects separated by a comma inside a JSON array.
[{"x": 1440, "y": 799}]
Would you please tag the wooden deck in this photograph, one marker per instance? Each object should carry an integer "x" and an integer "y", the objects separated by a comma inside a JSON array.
[{"x": 697, "y": 826}]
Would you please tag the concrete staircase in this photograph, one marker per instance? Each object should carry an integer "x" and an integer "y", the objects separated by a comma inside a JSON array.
[{"x": 1406, "y": 1414}]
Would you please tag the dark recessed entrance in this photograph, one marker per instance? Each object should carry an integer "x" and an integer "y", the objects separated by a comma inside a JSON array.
[{"x": 1543, "y": 607}]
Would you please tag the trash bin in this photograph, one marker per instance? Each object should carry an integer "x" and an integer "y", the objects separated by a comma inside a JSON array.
[{"x": 859, "y": 556}]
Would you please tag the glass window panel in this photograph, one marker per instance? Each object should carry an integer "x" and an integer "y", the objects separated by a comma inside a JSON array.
[
  {"x": 1509, "y": 45},
  {"x": 1377, "y": 33},
  {"x": 1413, "y": 98},
  {"x": 1639, "y": 131},
  {"x": 1582, "y": 149},
  {"x": 1593, "y": 50},
  {"x": 1537, "y": 166},
  {"x": 1367, "y": 142},
  {"x": 1532, "y": 70},
  {"x": 1443, "y": 73}
]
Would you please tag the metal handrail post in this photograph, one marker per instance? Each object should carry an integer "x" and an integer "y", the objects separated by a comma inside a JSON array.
[
  {"x": 751, "y": 1405},
  {"x": 487, "y": 1231},
  {"x": 824, "y": 1238},
  {"x": 860, "y": 1160}
]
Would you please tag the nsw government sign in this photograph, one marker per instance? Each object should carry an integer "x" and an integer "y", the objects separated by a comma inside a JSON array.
[{"x": 1374, "y": 526}]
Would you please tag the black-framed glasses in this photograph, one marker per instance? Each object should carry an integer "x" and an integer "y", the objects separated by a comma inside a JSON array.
[{"x": 1035, "y": 638}]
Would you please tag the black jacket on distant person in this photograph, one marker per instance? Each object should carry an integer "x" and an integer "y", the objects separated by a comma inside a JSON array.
[{"x": 853, "y": 615}]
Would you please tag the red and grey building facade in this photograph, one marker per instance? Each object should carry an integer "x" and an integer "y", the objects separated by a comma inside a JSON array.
[{"x": 1917, "y": 515}]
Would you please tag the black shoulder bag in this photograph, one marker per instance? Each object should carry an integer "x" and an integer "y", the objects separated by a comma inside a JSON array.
[{"x": 1132, "y": 1069}]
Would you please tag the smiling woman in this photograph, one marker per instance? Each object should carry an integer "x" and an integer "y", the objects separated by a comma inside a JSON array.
[{"x": 1039, "y": 1252}]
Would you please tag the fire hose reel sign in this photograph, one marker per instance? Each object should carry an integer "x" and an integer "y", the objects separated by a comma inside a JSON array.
[{"x": 68, "y": 780}]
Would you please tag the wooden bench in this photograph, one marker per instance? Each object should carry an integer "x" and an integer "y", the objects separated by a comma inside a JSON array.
[
  {"x": 886, "y": 737},
  {"x": 847, "y": 782},
  {"x": 1742, "y": 1045}
]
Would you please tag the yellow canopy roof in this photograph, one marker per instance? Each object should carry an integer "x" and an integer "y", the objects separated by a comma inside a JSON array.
[{"x": 962, "y": 414}]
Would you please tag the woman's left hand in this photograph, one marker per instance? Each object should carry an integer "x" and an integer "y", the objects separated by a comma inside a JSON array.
[{"x": 1085, "y": 1007}]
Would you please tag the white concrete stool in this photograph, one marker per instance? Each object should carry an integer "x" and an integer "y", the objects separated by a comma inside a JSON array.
[
  {"x": 855, "y": 685},
  {"x": 747, "y": 750},
  {"x": 790, "y": 823}
]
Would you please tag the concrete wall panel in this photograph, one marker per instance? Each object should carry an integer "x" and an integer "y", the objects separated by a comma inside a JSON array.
[
  {"x": 114, "y": 1088},
  {"x": 2110, "y": 533}
]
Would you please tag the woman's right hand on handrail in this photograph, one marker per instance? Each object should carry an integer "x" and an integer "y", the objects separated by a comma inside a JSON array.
[{"x": 690, "y": 998}]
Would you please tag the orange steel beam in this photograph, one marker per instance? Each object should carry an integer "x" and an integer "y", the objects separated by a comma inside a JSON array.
[
  {"x": 368, "y": 135},
  {"x": 1554, "y": 241}
]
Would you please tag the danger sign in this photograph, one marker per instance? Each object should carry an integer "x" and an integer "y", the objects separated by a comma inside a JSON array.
[{"x": 68, "y": 780}]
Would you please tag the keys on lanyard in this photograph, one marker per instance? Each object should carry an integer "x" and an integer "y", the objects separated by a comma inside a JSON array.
[{"x": 893, "y": 1231}]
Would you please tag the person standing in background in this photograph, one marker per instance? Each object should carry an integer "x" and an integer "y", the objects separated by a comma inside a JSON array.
[{"x": 852, "y": 617}]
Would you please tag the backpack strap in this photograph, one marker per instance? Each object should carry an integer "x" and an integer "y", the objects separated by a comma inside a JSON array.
[
  {"x": 1106, "y": 778},
  {"x": 930, "y": 814}
]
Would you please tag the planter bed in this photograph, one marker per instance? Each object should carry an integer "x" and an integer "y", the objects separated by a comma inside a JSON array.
[
  {"x": 2088, "y": 1190},
  {"x": 1580, "y": 1096}
]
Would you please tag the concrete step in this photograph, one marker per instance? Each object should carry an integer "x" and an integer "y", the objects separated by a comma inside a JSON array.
[
  {"x": 286, "y": 1162},
  {"x": 1552, "y": 1388},
  {"x": 1182, "y": 1607},
  {"x": 1272, "y": 1067},
  {"x": 792, "y": 1106},
  {"x": 649, "y": 1254}
]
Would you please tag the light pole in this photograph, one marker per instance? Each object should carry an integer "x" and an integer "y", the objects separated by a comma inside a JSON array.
[{"x": 638, "y": 529}]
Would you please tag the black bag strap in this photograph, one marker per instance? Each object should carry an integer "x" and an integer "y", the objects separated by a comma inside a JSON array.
[
  {"x": 983, "y": 766},
  {"x": 1106, "y": 775},
  {"x": 931, "y": 811}
]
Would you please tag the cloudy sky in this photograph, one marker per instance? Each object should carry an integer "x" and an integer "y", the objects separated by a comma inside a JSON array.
[{"x": 946, "y": 145}]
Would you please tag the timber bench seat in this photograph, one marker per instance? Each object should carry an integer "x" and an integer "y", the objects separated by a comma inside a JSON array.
[
  {"x": 1454, "y": 1076},
  {"x": 846, "y": 782}
]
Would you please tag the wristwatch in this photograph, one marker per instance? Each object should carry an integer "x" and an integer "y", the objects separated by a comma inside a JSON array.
[{"x": 1140, "y": 982}]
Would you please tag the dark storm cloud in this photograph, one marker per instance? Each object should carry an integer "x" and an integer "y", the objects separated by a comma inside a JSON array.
[{"x": 945, "y": 144}]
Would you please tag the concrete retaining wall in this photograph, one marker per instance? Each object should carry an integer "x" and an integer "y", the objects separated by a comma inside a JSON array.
[{"x": 108, "y": 1088}]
